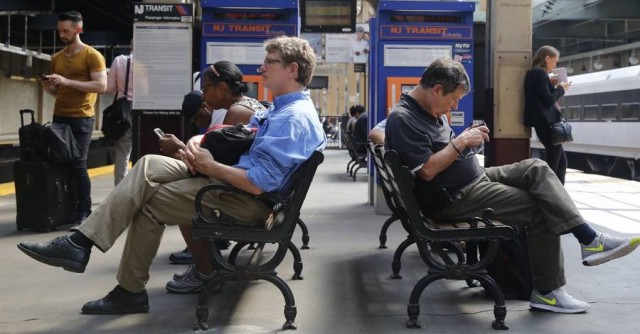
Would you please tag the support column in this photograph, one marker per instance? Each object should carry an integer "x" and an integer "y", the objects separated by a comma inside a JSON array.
[{"x": 509, "y": 25}]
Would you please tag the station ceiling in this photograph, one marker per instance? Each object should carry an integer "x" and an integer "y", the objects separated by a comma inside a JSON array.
[
  {"x": 572, "y": 26},
  {"x": 578, "y": 26}
]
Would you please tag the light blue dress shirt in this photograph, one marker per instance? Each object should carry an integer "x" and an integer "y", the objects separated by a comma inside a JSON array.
[{"x": 288, "y": 133}]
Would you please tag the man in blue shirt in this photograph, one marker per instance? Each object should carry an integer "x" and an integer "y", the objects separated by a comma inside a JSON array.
[{"x": 158, "y": 190}]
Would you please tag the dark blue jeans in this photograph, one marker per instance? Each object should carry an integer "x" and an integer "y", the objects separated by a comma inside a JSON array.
[{"x": 82, "y": 128}]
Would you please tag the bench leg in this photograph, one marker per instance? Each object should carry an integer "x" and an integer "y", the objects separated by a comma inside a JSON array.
[
  {"x": 290, "y": 310},
  {"x": 499, "y": 309},
  {"x": 349, "y": 166},
  {"x": 297, "y": 261},
  {"x": 305, "y": 234},
  {"x": 396, "y": 264},
  {"x": 413, "y": 309},
  {"x": 202, "y": 309},
  {"x": 383, "y": 231}
]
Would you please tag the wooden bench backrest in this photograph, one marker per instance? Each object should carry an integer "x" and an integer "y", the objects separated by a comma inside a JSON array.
[
  {"x": 376, "y": 151},
  {"x": 401, "y": 184},
  {"x": 300, "y": 183},
  {"x": 286, "y": 215}
]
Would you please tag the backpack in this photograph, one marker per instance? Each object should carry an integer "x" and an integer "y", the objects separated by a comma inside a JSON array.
[
  {"x": 52, "y": 142},
  {"x": 511, "y": 268},
  {"x": 61, "y": 146},
  {"x": 227, "y": 143}
]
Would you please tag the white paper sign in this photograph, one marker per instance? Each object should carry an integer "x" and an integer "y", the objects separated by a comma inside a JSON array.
[
  {"x": 337, "y": 48},
  {"x": 162, "y": 65}
]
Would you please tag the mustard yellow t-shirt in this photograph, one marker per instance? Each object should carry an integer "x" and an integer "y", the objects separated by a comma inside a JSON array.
[{"x": 71, "y": 102}]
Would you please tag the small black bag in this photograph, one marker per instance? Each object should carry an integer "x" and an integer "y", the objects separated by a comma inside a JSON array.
[
  {"x": 61, "y": 146},
  {"x": 560, "y": 133},
  {"x": 228, "y": 143},
  {"x": 510, "y": 269},
  {"x": 116, "y": 118}
]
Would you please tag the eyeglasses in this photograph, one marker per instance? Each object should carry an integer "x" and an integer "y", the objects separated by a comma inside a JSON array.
[{"x": 269, "y": 61}]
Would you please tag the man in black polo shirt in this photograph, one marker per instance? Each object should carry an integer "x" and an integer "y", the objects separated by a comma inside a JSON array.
[{"x": 451, "y": 185}]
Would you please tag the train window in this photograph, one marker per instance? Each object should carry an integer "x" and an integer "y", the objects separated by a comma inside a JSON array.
[
  {"x": 591, "y": 112},
  {"x": 608, "y": 112},
  {"x": 572, "y": 113},
  {"x": 630, "y": 111}
]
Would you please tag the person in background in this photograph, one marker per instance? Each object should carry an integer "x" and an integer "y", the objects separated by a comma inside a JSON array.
[
  {"x": 360, "y": 131},
  {"x": 223, "y": 88},
  {"x": 376, "y": 135},
  {"x": 355, "y": 112},
  {"x": 158, "y": 190},
  {"x": 78, "y": 75},
  {"x": 116, "y": 82},
  {"x": 541, "y": 94},
  {"x": 450, "y": 185}
]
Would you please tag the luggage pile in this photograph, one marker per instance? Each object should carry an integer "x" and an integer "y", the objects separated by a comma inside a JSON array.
[{"x": 41, "y": 176}]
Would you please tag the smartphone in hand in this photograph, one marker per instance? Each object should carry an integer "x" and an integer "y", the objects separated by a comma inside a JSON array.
[
  {"x": 159, "y": 132},
  {"x": 43, "y": 77}
]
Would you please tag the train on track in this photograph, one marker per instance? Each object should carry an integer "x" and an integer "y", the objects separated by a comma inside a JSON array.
[{"x": 604, "y": 111}]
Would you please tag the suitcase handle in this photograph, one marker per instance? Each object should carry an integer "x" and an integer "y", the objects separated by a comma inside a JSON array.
[{"x": 27, "y": 111}]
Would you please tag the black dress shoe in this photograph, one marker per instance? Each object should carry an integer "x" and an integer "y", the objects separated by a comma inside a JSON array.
[
  {"x": 58, "y": 252},
  {"x": 119, "y": 301},
  {"x": 183, "y": 257}
]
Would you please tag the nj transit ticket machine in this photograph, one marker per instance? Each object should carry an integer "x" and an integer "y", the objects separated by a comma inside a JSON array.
[
  {"x": 406, "y": 36},
  {"x": 234, "y": 30}
]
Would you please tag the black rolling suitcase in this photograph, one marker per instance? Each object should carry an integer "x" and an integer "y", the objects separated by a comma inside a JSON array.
[
  {"x": 42, "y": 187},
  {"x": 42, "y": 195}
]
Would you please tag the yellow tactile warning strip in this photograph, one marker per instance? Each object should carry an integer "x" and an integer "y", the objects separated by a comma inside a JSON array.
[{"x": 9, "y": 188}]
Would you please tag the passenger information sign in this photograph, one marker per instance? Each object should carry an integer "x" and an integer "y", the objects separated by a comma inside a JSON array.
[{"x": 162, "y": 43}]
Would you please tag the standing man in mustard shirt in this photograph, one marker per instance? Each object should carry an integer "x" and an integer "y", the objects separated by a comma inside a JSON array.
[{"x": 78, "y": 74}]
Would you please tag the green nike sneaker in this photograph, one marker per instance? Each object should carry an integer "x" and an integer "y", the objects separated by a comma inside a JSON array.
[
  {"x": 606, "y": 248},
  {"x": 557, "y": 301}
]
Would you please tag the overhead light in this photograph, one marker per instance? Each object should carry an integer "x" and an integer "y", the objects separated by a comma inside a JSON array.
[
  {"x": 569, "y": 68},
  {"x": 633, "y": 60},
  {"x": 598, "y": 65}
]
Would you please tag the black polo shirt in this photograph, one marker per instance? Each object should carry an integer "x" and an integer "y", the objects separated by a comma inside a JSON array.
[{"x": 416, "y": 135}]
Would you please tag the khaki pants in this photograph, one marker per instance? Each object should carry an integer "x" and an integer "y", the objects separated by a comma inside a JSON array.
[
  {"x": 525, "y": 194},
  {"x": 158, "y": 191}
]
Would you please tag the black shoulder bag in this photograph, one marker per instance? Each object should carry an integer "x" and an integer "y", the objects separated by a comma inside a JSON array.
[
  {"x": 116, "y": 118},
  {"x": 561, "y": 130}
]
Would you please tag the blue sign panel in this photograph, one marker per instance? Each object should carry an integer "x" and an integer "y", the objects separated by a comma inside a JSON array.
[
  {"x": 405, "y": 37},
  {"x": 425, "y": 32},
  {"x": 248, "y": 30}
]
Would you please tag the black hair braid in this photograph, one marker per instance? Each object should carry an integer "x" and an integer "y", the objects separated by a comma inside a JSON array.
[{"x": 239, "y": 87}]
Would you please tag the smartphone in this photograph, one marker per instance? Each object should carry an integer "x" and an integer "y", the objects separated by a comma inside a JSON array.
[
  {"x": 159, "y": 132},
  {"x": 43, "y": 77},
  {"x": 482, "y": 123}
]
